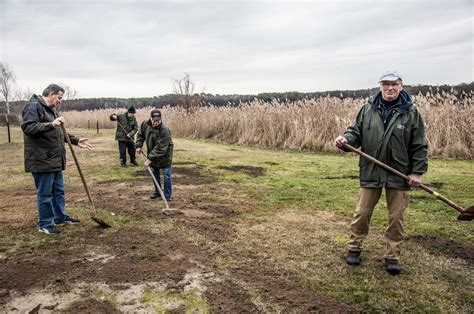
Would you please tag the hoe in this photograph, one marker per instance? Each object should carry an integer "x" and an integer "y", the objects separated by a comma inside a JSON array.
[
  {"x": 93, "y": 213},
  {"x": 466, "y": 214}
]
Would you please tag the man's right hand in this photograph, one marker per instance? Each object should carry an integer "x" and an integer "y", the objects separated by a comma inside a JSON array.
[
  {"x": 114, "y": 116},
  {"x": 340, "y": 140},
  {"x": 58, "y": 121},
  {"x": 139, "y": 150}
]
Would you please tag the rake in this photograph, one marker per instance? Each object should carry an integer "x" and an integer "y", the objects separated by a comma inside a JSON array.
[{"x": 93, "y": 213}]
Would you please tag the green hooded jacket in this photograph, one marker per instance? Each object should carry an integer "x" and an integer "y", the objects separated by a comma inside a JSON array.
[
  {"x": 158, "y": 142},
  {"x": 401, "y": 145},
  {"x": 129, "y": 124},
  {"x": 44, "y": 149}
]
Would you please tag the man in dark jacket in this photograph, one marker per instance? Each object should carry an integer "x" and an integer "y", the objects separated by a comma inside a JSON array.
[
  {"x": 160, "y": 150},
  {"x": 389, "y": 128},
  {"x": 45, "y": 156},
  {"x": 127, "y": 126}
]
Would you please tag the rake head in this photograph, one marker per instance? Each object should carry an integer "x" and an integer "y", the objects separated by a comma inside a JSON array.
[
  {"x": 171, "y": 211},
  {"x": 101, "y": 223},
  {"x": 467, "y": 214}
]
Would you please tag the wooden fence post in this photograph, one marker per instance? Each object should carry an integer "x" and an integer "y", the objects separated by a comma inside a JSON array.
[
  {"x": 97, "y": 126},
  {"x": 8, "y": 131}
]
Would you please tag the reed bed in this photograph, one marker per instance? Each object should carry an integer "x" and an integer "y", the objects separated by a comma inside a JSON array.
[{"x": 310, "y": 124}]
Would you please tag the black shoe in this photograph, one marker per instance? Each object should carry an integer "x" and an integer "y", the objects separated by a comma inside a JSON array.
[
  {"x": 123, "y": 165},
  {"x": 392, "y": 266},
  {"x": 153, "y": 196},
  {"x": 67, "y": 220},
  {"x": 49, "y": 230},
  {"x": 134, "y": 162},
  {"x": 352, "y": 258}
]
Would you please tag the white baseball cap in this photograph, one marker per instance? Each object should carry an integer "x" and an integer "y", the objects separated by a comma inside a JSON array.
[{"x": 390, "y": 76}]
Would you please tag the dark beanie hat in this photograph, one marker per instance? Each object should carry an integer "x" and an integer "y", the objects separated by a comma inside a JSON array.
[
  {"x": 155, "y": 114},
  {"x": 131, "y": 109}
]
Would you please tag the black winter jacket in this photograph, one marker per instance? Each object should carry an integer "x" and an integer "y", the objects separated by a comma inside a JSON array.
[{"x": 43, "y": 143}]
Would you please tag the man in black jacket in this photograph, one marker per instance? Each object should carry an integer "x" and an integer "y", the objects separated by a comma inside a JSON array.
[{"x": 45, "y": 156}]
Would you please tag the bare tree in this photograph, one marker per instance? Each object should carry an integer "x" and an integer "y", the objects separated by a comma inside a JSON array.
[
  {"x": 184, "y": 88},
  {"x": 7, "y": 80},
  {"x": 22, "y": 94},
  {"x": 69, "y": 92}
]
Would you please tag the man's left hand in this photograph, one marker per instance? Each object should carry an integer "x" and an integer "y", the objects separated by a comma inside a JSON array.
[
  {"x": 83, "y": 143},
  {"x": 147, "y": 162},
  {"x": 414, "y": 179}
]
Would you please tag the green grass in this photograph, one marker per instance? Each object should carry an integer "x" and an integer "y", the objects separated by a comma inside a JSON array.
[{"x": 294, "y": 218}]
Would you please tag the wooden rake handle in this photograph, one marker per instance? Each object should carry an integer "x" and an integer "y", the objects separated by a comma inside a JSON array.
[
  {"x": 398, "y": 173},
  {"x": 93, "y": 212}
]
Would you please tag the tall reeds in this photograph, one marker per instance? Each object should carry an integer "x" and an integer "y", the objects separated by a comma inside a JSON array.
[{"x": 306, "y": 125}]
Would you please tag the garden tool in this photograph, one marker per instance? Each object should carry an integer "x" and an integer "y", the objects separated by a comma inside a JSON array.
[
  {"x": 93, "y": 213},
  {"x": 466, "y": 214}
]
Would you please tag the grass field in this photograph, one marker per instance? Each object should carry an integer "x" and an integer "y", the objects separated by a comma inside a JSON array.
[{"x": 261, "y": 230}]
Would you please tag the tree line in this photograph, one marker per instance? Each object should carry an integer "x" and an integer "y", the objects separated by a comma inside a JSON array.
[{"x": 204, "y": 99}]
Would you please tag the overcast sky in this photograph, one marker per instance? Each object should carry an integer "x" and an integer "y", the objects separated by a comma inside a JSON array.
[{"x": 117, "y": 48}]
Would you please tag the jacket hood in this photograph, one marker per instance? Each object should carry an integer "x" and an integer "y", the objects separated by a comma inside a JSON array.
[{"x": 404, "y": 97}]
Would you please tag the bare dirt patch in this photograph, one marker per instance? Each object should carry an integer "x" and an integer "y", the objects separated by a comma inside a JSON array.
[
  {"x": 340, "y": 177},
  {"x": 132, "y": 256},
  {"x": 92, "y": 306},
  {"x": 248, "y": 170},
  {"x": 447, "y": 248}
]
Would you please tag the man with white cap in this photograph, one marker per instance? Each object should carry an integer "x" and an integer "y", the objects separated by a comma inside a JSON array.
[{"x": 390, "y": 129}]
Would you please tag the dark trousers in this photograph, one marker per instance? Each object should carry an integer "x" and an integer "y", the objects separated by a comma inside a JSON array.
[{"x": 123, "y": 147}]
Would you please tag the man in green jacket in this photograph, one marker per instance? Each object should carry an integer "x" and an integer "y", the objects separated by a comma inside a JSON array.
[
  {"x": 125, "y": 137},
  {"x": 389, "y": 128},
  {"x": 159, "y": 145},
  {"x": 45, "y": 156}
]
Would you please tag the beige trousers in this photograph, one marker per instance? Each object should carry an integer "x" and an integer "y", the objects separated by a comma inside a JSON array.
[{"x": 397, "y": 202}]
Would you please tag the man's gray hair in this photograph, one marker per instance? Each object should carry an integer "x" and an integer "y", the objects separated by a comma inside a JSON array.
[{"x": 52, "y": 89}]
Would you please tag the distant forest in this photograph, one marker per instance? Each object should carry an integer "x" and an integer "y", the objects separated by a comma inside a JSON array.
[{"x": 460, "y": 91}]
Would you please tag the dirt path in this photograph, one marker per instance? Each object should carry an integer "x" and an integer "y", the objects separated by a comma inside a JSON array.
[{"x": 137, "y": 266}]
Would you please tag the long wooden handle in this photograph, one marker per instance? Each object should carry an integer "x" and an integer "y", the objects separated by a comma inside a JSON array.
[
  {"x": 93, "y": 212},
  {"x": 398, "y": 173}
]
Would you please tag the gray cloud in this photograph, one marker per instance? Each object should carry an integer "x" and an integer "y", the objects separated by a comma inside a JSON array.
[{"x": 128, "y": 48}]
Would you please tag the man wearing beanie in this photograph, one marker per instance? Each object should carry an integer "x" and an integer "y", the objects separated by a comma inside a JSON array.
[
  {"x": 159, "y": 154},
  {"x": 127, "y": 127}
]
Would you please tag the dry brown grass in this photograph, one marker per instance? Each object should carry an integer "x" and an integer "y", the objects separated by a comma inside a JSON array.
[{"x": 306, "y": 124}]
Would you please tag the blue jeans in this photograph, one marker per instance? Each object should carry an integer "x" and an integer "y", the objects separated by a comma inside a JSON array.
[
  {"x": 49, "y": 197},
  {"x": 167, "y": 182}
]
